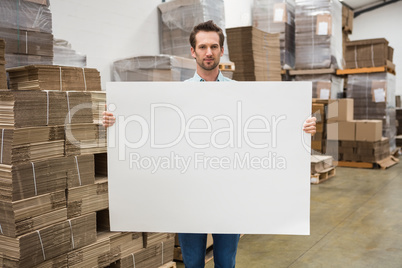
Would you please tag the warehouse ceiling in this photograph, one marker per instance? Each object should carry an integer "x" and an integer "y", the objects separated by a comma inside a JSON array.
[{"x": 362, "y": 6}]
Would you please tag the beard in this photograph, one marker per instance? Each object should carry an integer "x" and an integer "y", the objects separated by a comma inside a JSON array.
[{"x": 208, "y": 66}]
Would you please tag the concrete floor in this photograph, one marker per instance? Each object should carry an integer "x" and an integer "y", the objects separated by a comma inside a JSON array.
[{"x": 356, "y": 221}]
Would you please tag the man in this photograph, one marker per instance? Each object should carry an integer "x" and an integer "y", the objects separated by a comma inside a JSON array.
[{"x": 207, "y": 41}]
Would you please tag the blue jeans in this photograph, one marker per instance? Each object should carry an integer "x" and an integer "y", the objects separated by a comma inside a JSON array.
[{"x": 193, "y": 249}]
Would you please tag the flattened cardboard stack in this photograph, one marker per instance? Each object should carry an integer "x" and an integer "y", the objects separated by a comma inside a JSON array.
[
  {"x": 154, "y": 68},
  {"x": 155, "y": 254},
  {"x": 178, "y": 19},
  {"x": 374, "y": 98},
  {"x": 278, "y": 16},
  {"x": 122, "y": 244},
  {"x": 87, "y": 198},
  {"x": 27, "y": 215},
  {"x": 325, "y": 86},
  {"x": 31, "y": 144},
  {"x": 27, "y": 28},
  {"x": 29, "y": 179},
  {"x": 368, "y": 53},
  {"x": 98, "y": 105},
  {"x": 255, "y": 53},
  {"x": 49, "y": 242},
  {"x": 51, "y": 77},
  {"x": 318, "y": 34},
  {"x": 85, "y": 139},
  {"x": 47, "y": 199},
  {"x": 3, "y": 75}
]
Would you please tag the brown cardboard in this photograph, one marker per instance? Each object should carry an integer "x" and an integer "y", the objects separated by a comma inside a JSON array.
[
  {"x": 332, "y": 131},
  {"x": 347, "y": 130},
  {"x": 367, "y": 53},
  {"x": 390, "y": 53},
  {"x": 368, "y": 130},
  {"x": 342, "y": 130},
  {"x": 347, "y": 19},
  {"x": 340, "y": 110}
]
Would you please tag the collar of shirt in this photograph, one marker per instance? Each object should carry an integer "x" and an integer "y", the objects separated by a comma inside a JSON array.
[{"x": 197, "y": 78}]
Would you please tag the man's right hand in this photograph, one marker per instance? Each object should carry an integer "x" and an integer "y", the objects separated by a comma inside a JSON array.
[{"x": 108, "y": 119}]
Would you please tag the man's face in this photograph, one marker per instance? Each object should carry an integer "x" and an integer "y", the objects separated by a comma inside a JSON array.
[{"x": 207, "y": 51}]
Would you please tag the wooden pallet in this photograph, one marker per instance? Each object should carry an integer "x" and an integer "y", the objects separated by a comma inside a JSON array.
[
  {"x": 390, "y": 68},
  {"x": 323, "y": 176},
  {"x": 171, "y": 264},
  {"x": 313, "y": 71},
  {"x": 382, "y": 164}
]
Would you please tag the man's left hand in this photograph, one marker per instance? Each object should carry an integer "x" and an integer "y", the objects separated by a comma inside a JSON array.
[{"x": 309, "y": 126}]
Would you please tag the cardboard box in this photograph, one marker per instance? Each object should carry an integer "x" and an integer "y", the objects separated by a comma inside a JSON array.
[
  {"x": 367, "y": 53},
  {"x": 368, "y": 130},
  {"x": 347, "y": 19},
  {"x": 340, "y": 110},
  {"x": 342, "y": 130}
]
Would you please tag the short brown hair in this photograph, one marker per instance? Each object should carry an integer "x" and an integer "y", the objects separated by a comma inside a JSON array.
[{"x": 208, "y": 26}]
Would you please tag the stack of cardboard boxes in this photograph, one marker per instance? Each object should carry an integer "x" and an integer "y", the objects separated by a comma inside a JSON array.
[
  {"x": 318, "y": 34},
  {"x": 26, "y": 26},
  {"x": 52, "y": 203},
  {"x": 319, "y": 47},
  {"x": 368, "y": 53},
  {"x": 374, "y": 98},
  {"x": 278, "y": 16},
  {"x": 154, "y": 68},
  {"x": 255, "y": 53},
  {"x": 325, "y": 86},
  {"x": 354, "y": 140}
]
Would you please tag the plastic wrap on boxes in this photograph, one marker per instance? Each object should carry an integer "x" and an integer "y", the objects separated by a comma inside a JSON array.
[
  {"x": 16, "y": 60},
  {"x": 374, "y": 98},
  {"x": 178, "y": 19},
  {"x": 26, "y": 15},
  {"x": 27, "y": 42},
  {"x": 325, "y": 86},
  {"x": 318, "y": 34},
  {"x": 278, "y": 16},
  {"x": 27, "y": 47},
  {"x": 64, "y": 55},
  {"x": 154, "y": 68}
]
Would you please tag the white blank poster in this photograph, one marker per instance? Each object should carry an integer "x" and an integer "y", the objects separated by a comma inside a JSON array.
[{"x": 209, "y": 157}]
